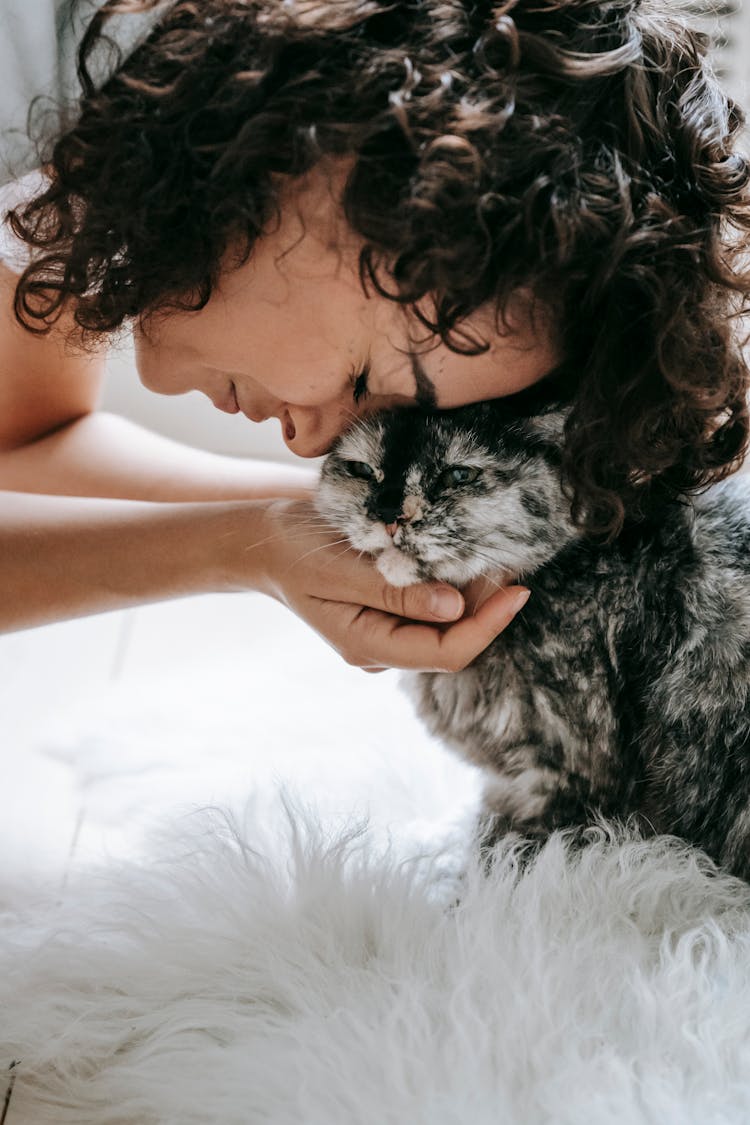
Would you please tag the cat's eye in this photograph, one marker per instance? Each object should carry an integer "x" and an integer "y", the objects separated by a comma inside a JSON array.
[
  {"x": 458, "y": 475},
  {"x": 361, "y": 470}
]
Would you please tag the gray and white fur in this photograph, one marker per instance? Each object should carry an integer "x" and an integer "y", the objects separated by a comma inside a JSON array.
[{"x": 623, "y": 687}]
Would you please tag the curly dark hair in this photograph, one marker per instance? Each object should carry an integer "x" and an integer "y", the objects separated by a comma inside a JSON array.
[{"x": 580, "y": 150}]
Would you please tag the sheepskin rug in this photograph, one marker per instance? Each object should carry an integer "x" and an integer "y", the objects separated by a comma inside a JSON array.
[
  {"x": 300, "y": 936},
  {"x": 309, "y": 978}
]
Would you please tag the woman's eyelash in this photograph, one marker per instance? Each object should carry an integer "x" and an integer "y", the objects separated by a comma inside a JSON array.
[{"x": 359, "y": 383}]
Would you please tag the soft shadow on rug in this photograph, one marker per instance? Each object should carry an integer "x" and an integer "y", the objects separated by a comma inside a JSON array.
[{"x": 302, "y": 974}]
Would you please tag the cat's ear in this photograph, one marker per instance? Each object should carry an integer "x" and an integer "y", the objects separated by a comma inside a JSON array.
[{"x": 549, "y": 426}]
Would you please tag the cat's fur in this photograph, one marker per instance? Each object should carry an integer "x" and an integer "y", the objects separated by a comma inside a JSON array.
[{"x": 623, "y": 686}]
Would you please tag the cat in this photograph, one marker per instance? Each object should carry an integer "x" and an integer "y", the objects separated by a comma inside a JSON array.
[{"x": 622, "y": 689}]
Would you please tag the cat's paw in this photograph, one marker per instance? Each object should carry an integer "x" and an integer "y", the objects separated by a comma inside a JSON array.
[{"x": 397, "y": 568}]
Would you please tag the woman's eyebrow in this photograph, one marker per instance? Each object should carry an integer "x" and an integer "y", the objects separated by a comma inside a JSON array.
[{"x": 425, "y": 395}]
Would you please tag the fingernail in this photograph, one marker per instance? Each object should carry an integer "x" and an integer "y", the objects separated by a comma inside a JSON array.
[
  {"x": 521, "y": 598},
  {"x": 446, "y": 603}
]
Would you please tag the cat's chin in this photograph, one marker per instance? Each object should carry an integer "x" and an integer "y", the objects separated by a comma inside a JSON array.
[
  {"x": 400, "y": 569},
  {"x": 397, "y": 568}
]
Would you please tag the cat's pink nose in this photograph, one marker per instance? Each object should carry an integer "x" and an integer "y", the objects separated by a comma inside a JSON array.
[{"x": 392, "y": 528}]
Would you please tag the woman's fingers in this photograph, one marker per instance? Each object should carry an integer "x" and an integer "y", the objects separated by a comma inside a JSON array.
[
  {"x": 372, "y": 638},
  {"x": 430, "y": 602}
]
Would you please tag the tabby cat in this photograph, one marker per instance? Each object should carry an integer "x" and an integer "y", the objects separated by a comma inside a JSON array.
[{"x": 622, "y": 688}]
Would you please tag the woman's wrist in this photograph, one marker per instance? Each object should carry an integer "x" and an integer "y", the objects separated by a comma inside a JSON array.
[
  {"x": 238, "y": 544},
  {"x": 259, "y": 538}
]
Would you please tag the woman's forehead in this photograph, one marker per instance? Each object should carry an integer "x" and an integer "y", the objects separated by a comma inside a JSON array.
[{"x": 310, "y": 210}]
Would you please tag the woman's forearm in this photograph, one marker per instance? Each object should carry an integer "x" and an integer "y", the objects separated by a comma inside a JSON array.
[
  {"x": 106, "y": 456},
  {"x": 101, "y": 514},
  {"x": 64, "y": 557}
]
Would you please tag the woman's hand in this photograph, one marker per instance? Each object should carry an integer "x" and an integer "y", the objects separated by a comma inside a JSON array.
[{"x": 371, "y": 624}]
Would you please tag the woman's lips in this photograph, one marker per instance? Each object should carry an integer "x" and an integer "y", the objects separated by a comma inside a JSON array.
[
  {"x": 230, "y": 404},
  {"x": 288, "y": 428}
]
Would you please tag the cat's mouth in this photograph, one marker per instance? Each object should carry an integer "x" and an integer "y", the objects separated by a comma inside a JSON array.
[{"x": 402, "y": 565}]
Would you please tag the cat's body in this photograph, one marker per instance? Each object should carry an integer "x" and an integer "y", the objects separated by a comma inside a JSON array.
[{"x": 624, "y": 685}]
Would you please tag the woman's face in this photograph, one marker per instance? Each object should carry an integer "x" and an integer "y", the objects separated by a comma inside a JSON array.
[{"x": 290, "y": 333}]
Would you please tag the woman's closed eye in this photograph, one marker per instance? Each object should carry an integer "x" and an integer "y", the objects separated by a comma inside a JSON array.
[{"x": 358, "y": 381}]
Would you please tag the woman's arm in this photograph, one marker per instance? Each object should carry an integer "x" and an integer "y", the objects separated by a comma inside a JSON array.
[
  {"x": 100, "y": 454},
  {"x": 64, "y": 556}
]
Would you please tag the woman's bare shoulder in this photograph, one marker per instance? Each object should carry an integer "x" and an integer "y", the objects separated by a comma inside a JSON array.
[{"x": 44, "y": 381}]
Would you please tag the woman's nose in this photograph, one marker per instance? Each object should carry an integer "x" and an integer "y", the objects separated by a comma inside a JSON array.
[{"x": 309, "y": 431}]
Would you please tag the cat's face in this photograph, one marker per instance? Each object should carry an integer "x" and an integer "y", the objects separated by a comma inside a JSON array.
[{"x": 449, "y": 494}]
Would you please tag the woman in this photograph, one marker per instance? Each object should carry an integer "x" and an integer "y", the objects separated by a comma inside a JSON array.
[{"x": 313, "y": 210}]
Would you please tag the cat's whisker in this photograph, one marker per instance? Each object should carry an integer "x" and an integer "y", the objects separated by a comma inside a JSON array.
[
  {"x": 325, "y": 546},
  {"x": 453, "y": 557},
  {"x": 478, "y": 553},
  {"x": 316, "y": 525},
  {"x": 352, "y": 414},
  {"x": 292, "y": 536}
]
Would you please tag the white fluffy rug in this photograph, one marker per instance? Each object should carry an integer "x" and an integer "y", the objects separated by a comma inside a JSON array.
[
  {"x": 300, "y": 978},
  {"x": 279, "y": 964}
]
